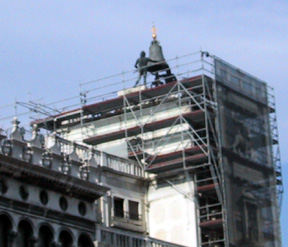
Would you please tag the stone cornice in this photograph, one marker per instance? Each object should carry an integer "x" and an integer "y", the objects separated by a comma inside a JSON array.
[{"x": 50, "y": 179}]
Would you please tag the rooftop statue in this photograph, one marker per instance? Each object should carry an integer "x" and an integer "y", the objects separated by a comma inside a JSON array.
[{"x": 142, "y": 66}]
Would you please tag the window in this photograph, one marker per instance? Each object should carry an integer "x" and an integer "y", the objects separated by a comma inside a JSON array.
[
  {"x": 133, "y": 210},
  {"x": 118, "y": 207},
  {"x": 3, "y": 186},
  {"x": 63, "y": 203},
  {"x": 44, "y": 197},
  {"x": 125, "y": 208},
  {"x": 82, "y": 208},
  {"x": 23, "y": 192}
]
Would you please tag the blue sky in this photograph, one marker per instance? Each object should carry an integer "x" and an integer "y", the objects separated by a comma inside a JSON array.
[{"x": 49, "y": 47}]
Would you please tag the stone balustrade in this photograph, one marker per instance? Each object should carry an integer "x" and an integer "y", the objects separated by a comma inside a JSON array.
[
  {"x": 115, "y": 237},
  {"x": 61, "y": 155}
]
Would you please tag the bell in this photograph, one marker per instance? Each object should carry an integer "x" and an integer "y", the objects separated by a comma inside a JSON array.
[{"x": 155, "y": 51}]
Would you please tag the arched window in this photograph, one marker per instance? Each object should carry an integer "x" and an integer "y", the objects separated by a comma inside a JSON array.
[
  {"x": 85, "y": 241},
  {"x": 5, "y": 229},
  {"x": 65, "y": 239},
  {"x": 25, "y": 234},
  {"x": 45, "y": 237}
]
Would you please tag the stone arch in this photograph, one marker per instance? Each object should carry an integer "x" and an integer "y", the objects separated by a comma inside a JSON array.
[
  {"x": 84, "y": 240},
  {"x": 6, "y": 228},
  {"x": 25, "y": 234},
  {"x": 45, "y": 235},
  {"x": 43, "y": 223},
  {"x": 11, "y": 218},
  {"x": 65, "y": 238},
  {"x": 29, "y": 221}
]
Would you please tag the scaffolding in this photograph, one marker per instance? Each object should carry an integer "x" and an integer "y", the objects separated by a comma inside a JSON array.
[{"x": 182, "y": 115}]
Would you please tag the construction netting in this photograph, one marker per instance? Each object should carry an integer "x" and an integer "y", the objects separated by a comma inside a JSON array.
[{"x": 247, "y": 158}]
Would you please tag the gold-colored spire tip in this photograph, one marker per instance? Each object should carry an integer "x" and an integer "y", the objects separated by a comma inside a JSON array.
[{"x": 154, "y": 35}]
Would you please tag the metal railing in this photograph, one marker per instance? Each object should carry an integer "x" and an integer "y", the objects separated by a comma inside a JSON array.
[{"x": 127, "y": 216}]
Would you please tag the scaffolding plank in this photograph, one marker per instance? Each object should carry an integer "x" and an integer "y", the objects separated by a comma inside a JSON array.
[
  {"x": 207, "y": 187},
  {"x": 177, "y": 154},
  {"x": 212, "y": 223},
  {"x": 190, "y": 160}
]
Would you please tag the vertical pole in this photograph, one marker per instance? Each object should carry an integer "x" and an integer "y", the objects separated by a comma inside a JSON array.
[
  {"x": 142, "y": 128},
  {"x": 82, "y": 95},
  {"x": 220, "y": 156},
  {"x": 181, "y": 123}
]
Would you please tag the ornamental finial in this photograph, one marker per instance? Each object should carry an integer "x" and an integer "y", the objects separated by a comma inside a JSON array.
[{"x": 154, "y": 35}]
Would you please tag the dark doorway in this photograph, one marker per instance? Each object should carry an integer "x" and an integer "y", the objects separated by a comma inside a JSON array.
[{"x": 5, "y": 229}]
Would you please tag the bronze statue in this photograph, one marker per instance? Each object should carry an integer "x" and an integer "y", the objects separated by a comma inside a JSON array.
[{"x": 142, "y": 66}]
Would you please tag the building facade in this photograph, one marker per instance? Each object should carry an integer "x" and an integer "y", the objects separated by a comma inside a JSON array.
[{"x": 190, "y": 161}]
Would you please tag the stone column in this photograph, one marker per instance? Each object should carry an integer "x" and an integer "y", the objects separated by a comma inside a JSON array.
[
  {"x": 12, "y": 236},
  {"x": 54, "y": 244},
  {"x": 32, "y": 242}
]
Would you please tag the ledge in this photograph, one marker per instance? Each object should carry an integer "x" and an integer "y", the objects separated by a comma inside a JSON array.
[{"x": 46, "y": 178}]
